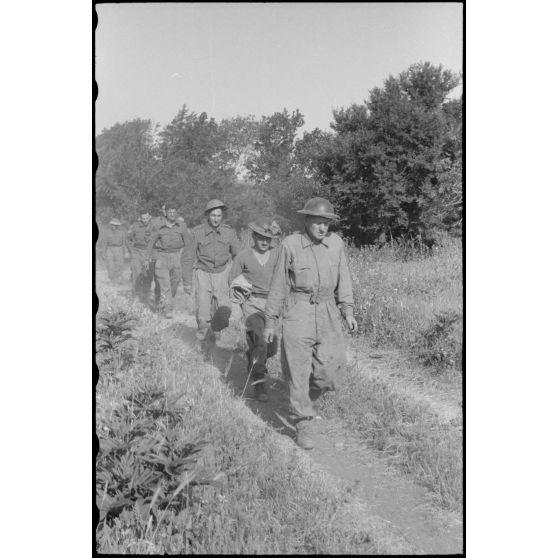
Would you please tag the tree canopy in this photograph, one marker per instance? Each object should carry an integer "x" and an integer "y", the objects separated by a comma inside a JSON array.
[{"x": 391, "y": 165}]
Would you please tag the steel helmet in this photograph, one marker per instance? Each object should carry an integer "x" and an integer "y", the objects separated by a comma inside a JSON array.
[
  {"x": 115, "y": 222},
  {"x": 214, "y": 204},
  {"x": 319, "y": 207}
]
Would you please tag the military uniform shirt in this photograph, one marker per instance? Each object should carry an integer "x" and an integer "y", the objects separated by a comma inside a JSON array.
[
  {"x": 114, "y": 237},
  {"x": 211, "y": 249},
  {"x": 139, "y": 234},
  {"x": 311, "y": 270},
  {"x": 169, "y": 237}
]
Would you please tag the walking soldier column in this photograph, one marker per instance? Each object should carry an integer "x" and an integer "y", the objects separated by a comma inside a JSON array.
[
  {"x": 207, "y": 263},
  {"x": 165, "y": 245},
  {"x": 114, "y": 244},
  {"x": 250, "y": 279},
  {"x": 312, "y": 280}
]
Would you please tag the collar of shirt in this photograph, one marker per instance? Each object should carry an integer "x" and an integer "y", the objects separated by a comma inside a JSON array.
[
  {"x": 170, "y": 225},
  {"x": 307, "y": 241},
  {"x": 209, "y": 229}
]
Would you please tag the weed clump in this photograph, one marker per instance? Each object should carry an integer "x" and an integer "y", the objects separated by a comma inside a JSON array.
[{"x": 440, "y": 345}]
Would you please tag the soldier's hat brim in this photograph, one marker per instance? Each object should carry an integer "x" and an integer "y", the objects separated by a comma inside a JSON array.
[
  {"x": 331, "y": 216},
  {"x": 258, "y": 229}
]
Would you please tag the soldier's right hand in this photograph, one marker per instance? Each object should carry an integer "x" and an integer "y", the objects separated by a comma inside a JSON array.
[{"x": 268, "y": 334}]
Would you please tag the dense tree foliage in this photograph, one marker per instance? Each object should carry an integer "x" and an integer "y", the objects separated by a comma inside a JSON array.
[{"x": 392, "y": 165}]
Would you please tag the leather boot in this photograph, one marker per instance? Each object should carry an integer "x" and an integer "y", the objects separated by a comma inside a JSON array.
[{"x": 260, "y": 392}]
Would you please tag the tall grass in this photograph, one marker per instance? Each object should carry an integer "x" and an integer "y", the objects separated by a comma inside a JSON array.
[
  {"x": 409, "y": 297},
  {"x": 258, "y": 494},
  {"x": 404, "y": 430}
]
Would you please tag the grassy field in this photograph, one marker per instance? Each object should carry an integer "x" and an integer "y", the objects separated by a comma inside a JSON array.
[
  {"x": 410, "y": 298},
  {"x": 184, "y": 466}
]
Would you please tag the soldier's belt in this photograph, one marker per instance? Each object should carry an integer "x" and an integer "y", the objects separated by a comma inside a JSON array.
[
  {"x": 169, "y": 250},
  {"x": 212, "y": 270},
  {"x": 314, "y": 298}
]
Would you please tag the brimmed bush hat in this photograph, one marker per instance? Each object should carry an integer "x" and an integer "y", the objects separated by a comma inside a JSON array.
[
  {"x": 265, "y": 227},
  {"x": 319, "y": 207},
  {"x": 115, "y": 222}
]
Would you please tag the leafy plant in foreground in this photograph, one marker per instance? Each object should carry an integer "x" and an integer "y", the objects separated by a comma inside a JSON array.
[{"x": 144, "y": 462}]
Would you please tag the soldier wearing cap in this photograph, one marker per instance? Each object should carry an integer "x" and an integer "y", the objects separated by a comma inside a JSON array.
[
  {"x": 165, "y": 246},
  {"x": 114, "y": 245},
  {"x": 252, "y": 270},
  {"x": 207, "y": 262},
  {"x": 312, "y": 280}
]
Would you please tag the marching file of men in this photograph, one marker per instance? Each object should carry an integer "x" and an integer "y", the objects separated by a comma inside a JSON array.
[{"x": 299, "y": 287}]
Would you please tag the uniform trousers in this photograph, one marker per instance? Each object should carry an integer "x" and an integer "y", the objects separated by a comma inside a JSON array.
[
  {"x": 211, "y": 295},
  {"x": 114, "y": 262},
  {"x": 142, "y": 278},
  {"x": 258, "y": 350},
  {"x": 313, "y": 350},
  {"x": 168, "y": 272}
]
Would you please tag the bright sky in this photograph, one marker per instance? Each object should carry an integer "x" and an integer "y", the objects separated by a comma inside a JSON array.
[{"x": 237, "y": 59}]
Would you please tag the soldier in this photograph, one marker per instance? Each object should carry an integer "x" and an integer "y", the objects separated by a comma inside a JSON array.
[
  {"x": 138, "y": 237},
  {"x": 312, "y": 278},
  {"x": 114, "y": 246},
  {"x": 253, "y": 268},
  {"x": 165, "y": 246},
  {"x": 208, "y": 262}
]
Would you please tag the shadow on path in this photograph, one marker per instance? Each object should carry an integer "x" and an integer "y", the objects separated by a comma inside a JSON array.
[{"x": 233, "y": 367}]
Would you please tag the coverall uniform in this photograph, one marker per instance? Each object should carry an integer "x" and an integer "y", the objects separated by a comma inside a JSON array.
[
  {"x": 165, "y": 246},
  {"x": 207, "y": 262},
  {"x": 114, "y": 244},
  {"x": 259, "y": 277},
  {"x": 138, "y": 238},
  {"x": 312, "y": 281}
]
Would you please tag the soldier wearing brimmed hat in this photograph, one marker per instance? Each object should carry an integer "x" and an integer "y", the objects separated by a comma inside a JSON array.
[
  {"x": 166, "y": 244},
  {"x": 250, "y": 279},
  {"x": 207, "y": 262},
  {"x": 113, "y": 248},
  {"x": 311, "y": 279}
]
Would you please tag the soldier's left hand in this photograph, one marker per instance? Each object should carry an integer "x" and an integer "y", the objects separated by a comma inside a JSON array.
[{"x": 351, "y": 324}]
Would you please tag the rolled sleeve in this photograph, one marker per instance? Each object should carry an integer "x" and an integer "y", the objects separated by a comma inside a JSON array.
[
  {"x": 234, "y": 243},
  {"x": 236, "y": 269}
]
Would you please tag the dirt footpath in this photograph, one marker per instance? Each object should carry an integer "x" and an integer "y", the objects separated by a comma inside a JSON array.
[{"x": 407, "y": 507}]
